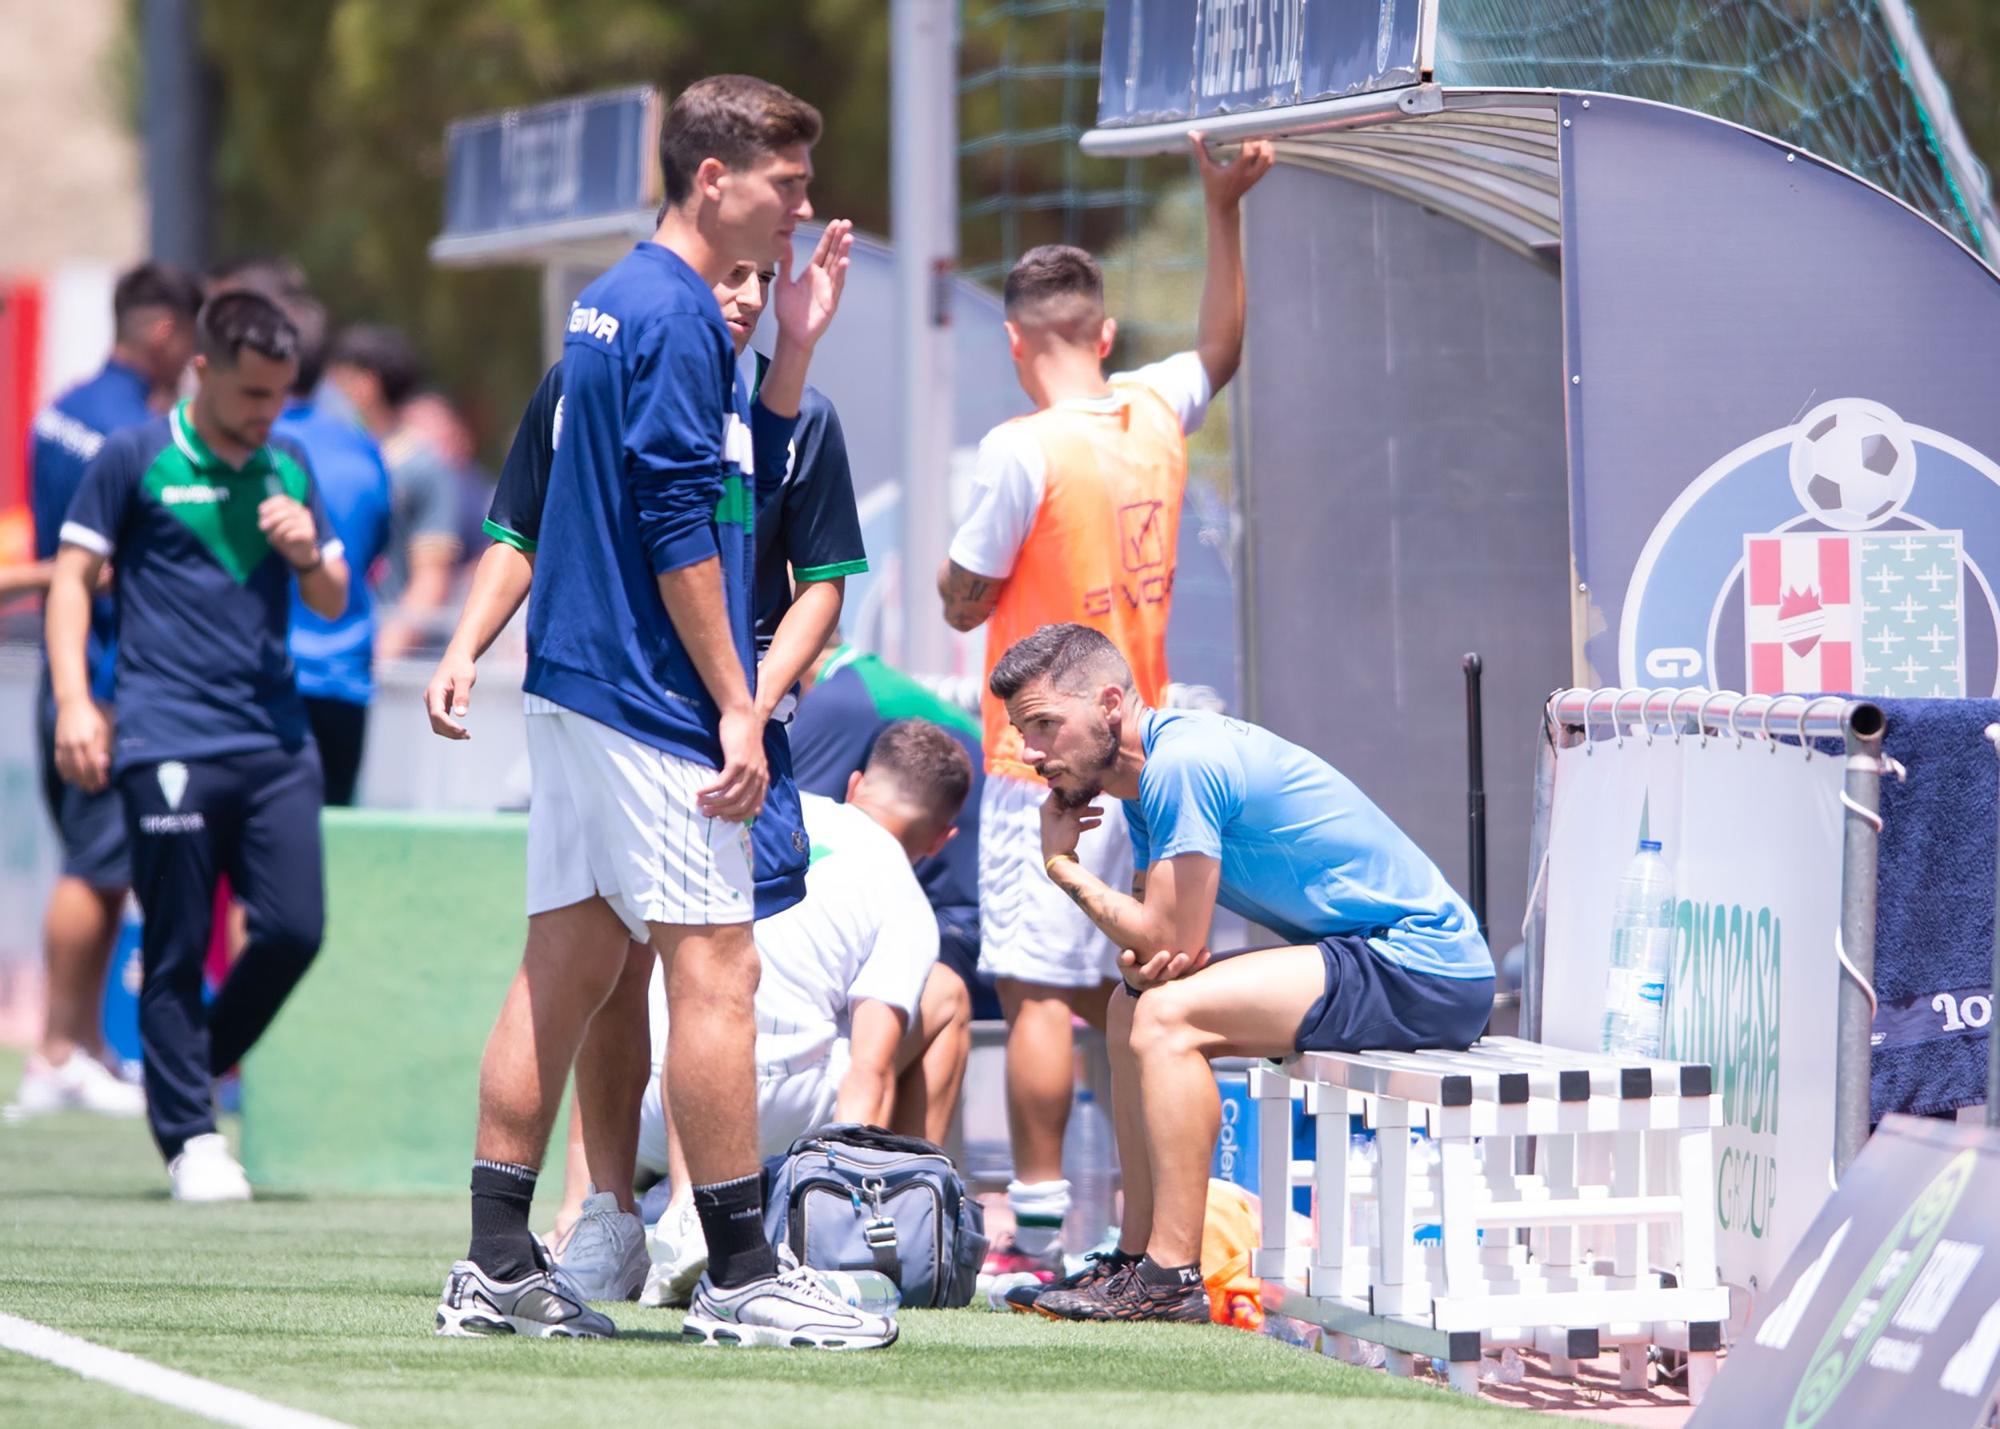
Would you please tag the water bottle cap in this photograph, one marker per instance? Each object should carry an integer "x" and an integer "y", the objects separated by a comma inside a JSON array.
[{"x": 1649, "y": 845}]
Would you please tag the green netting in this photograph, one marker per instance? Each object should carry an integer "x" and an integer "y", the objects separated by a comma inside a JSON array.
[
  {"x": 1027, "y": 93},
  {"x": 1825, "y": 75}
]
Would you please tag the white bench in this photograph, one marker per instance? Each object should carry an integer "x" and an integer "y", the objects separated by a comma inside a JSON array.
[{"x": 1557, "y": 1260}]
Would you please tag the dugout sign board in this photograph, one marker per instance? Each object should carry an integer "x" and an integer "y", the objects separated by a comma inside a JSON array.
[
  {"x": 1170, "y": 60},
  {"x": 566, "y": 162},
  {"x": 1889, "y": 1311},
  {"x": 1784, "y": 444}
]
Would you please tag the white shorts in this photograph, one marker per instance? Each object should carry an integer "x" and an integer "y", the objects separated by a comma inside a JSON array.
[
  {"x": 1028, "y": 928},
  {"x": 789, "y": 1104},
  {"x": 614, "y": 817}
]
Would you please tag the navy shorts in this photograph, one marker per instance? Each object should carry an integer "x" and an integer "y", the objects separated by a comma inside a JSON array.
[
  {"x": 91, "y": 826},
  {"x": 1373, "y": 1005},
  {"x": 958, "y": 950},
  {"x": 779, "y": 849}
]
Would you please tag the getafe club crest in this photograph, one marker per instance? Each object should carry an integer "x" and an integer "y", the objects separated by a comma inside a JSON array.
[
  {"x": 1849, "y": 551},
  {"x": 173, "y": 777}
]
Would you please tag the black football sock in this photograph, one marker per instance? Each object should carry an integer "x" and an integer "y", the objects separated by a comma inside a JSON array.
[
  {"x": 1168, "y": 1277},
  {"x": 502, "y": 1244},
  {"x": 732, "y": 1221}
]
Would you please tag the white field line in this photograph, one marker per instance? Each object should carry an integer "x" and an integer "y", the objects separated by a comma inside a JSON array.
[{"x": 143, "y": 1377}]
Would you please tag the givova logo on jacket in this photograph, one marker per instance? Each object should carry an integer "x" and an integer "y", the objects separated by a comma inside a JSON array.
[{"x": 1850, "y": 551}]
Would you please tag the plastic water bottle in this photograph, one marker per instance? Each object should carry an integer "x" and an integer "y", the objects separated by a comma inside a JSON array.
[
  {"x": 990, "y": 1291},
  {"x": 869, "y": 1291},
  {"x": 1088, "y": 1154},
  {"x": 1642, "y": 944}
]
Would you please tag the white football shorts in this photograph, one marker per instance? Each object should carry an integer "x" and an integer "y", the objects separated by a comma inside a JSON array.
[{"x": 611, "y": 816}]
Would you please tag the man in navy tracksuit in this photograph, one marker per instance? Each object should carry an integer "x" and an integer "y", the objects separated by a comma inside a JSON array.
[
  {"x": 332, "y": 660},
  {"x": 153, "y": 307},
  {"x": 209, "y": 521}
]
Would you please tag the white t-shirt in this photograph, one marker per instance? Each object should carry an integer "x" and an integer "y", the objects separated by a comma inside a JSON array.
[
  {"x": 864, "y": 932},
  {"x": 1007, "y": 491}
]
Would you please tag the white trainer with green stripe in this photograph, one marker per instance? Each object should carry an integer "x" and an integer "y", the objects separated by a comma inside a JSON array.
[{"x": 790, "y": 1310}]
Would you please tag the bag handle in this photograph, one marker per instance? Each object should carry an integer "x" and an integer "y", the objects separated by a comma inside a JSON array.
[{"x": 870, "y": 1138}]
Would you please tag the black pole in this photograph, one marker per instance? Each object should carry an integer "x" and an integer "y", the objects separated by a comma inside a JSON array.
[
  {"x": 176, "y": 141},
  {"x": 1475, "y": 795}
]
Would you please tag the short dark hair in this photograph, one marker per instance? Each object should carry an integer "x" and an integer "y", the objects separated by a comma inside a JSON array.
[
  {"x": 931, "y": 769},
  {"x": 284, "y": 282},
  {"x": 1056, "y": 288},
  {"x": 736, "y": 118},
  {"x": 231, "y": 322},
  {"x": 154, "y": 285},
  {"x": 384, "y": 352},
  {"x": 1071, "y": 657}
]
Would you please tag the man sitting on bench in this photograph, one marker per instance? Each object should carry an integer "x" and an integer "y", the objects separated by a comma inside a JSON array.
[{"x": 1383, "y": 955}]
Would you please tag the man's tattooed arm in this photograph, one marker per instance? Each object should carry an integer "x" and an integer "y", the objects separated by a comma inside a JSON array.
[{"x": 968, "y": 597}]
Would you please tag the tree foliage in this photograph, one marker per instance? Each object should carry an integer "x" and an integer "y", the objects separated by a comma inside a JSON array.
[
  {"x": 330, "y": 115},
  {"x": 329, "y": 139}
]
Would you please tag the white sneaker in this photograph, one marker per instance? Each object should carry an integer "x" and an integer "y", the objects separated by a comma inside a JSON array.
[
  {"x": 77, "y": 1083},
  {"x": 205, "y": 1171},
  {"x": 791, "y": 1310},
  {"x": 604, "y": 1254},
  {"x": 678, "y": 1252}
]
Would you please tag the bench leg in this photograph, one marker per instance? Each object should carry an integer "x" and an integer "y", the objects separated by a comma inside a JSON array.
[
  {"x": 1701, "y": 1374},
  {"x": 1400, "y": 1363},
  {"x": 1633, "y": 1366},
  {"x": 1562, "y": 1367},
  {"x": 1463, "y": 1376}
]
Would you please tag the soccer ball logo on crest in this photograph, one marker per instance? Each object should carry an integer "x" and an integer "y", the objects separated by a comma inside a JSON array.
[{"x": 1853, "y": 464}]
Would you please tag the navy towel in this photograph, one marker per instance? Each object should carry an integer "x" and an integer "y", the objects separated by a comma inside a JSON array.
[{"x": 1934, "y": 907}]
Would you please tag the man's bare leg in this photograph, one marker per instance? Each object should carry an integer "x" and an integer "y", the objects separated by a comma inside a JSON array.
[
  {"x": 1248, "y": 1006},
  {"x": 711, "y": 1086},
  {"x": 79, "y": 930},
  {"x": 572, "y": 960},
  {"x": 611, "y": 1072},
  {"x": 1129, "y": 1127},
  {"x": 1041, "y": 1079},
  {"x": 930, "y": 1063}
]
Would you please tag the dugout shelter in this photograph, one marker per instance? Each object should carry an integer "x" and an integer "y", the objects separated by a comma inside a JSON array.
[{"x": 1556, "y": 307}]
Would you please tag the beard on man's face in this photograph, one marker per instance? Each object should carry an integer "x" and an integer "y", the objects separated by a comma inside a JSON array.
[{"x": 1102, "y": 756}]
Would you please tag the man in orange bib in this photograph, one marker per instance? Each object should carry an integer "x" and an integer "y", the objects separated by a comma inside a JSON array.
[{"x": 1075, "y": 517}]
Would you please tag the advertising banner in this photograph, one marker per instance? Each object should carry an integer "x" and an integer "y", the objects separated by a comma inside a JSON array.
[
  {"x": 1784, "y": 445},
  {"x": 1889, "y": 1312},
  {"x": 1753, "y": 835},
  {"x": 1170, "y": 60}
]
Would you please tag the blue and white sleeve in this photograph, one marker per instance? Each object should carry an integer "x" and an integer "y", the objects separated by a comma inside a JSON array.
[{"x": 679, "y": 407}]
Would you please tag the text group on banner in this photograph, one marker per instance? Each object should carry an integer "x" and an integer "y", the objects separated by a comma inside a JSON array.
[{"x": 1752, "y": 832}]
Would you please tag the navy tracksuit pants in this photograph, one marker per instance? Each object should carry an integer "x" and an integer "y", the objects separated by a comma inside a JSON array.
[{"x": 254, "y": 817}]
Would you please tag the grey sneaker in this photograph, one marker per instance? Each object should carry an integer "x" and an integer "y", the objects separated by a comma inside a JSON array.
[
  {"x": 604, "y": 1254},
  {"x": 542, "y": 1304},
  {"x": 791, "y": 1310}
]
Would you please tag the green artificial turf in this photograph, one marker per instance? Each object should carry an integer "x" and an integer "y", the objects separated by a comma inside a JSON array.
[{"x": 325, "y": 1304}]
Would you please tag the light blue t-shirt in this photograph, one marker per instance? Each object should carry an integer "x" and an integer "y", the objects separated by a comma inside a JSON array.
[{"x": 1303, "y": 851}]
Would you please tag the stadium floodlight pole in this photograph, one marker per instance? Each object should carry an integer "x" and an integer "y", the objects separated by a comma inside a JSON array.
[
  {"x": 923, "y": 198},
  {"x": 1853, "y": 1049},
  {"x": 176, "y": 150}
]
